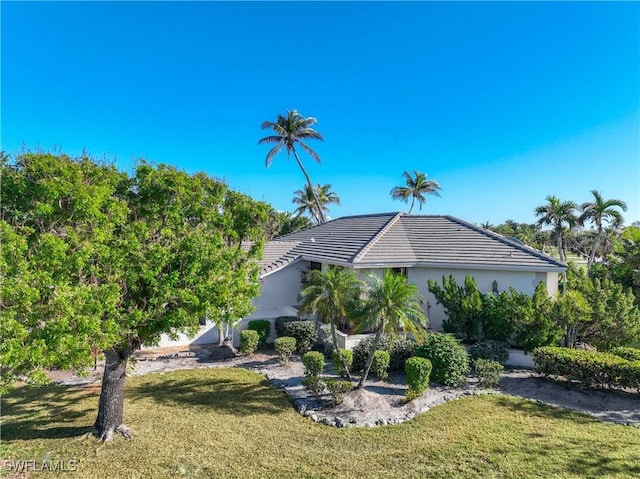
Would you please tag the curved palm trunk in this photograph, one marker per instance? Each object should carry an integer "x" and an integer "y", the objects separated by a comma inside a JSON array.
[
  {"x": 592, "y": 256},
  {"x": 374, "y": 348},
  {"x": 315, "y": 197},
  {"x": 111, "y": 404},
  {"x": 413, "y": 201},
  {"x": 337, "y": 350}
]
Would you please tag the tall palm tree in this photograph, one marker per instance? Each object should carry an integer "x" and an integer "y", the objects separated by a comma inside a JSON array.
[
  {"x": 290, "y": 129},
  {"x": 330, "y": 294},
  {"x": 392, "y": 304},
  {"x": 305, "y": 199},
  {"x": 598, "y": 211},
  {"x": 557, "y": 214},
  {"x": 417, "y": 186}
]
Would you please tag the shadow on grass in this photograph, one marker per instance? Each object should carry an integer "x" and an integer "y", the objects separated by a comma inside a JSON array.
[{"x": 533, "y": 408}]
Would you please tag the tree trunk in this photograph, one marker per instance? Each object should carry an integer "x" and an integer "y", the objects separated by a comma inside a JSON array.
[
  {"x": 374, "y": 348},
  {"x": 592, "y": 256},
  {"x": 315, "y": 197},
  {"x": 413, "y": 200},
  {"x": 337, "y": 349},
  {"x": 111, "y": 404}
]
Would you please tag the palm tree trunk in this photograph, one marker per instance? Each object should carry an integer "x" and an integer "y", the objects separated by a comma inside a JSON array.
[
  {"x": 337, "y": 349},
  {"x": 315, "y": 197},
  {"x": 374, "y": 348},
  {"x": 592, "y": 256},
  {"x": 413, "y": 201}
]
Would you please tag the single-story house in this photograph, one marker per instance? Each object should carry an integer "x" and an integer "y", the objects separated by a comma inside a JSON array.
[{"x": 422, "y": 247}]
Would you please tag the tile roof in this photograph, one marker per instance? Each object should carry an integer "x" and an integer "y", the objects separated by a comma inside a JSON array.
[{"x": 397, "y": 239}]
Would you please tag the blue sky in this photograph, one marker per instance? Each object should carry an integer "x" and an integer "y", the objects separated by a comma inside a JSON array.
[{"x": 502, "y": 103}]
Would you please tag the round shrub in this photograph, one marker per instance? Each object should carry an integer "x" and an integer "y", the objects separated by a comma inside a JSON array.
[
  {"x": 285, "y": 346},
  {"x": 325, "y": 339},
  {"x": 493, "y": 350},
  {"x": 448, "y": 357},
  {"x": 337, "y": 364},
  {"x": 305, "y": 332},
  {"x": 313, "y": 363},
  {"x": 338, "y": 389},
  {"x": 249, "y": 340},
  {"x": 488, "y": 372},
  {"x": 418, "y": 371},
  {"x": 380, "y": 364},
  {"x": 399, "y": 349},
  {"x": 263, "y": 327},
  {"x": 315, "y": 385},
  {"x": 281, "y": 321}
]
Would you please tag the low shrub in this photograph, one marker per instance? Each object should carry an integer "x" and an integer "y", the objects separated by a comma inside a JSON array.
[
  {"x": 493, "y": 350},
  {"x": 285, "y": 346},
  {"x": 305, "y": 332},
  {"x": 249, "y": 340},
  {"x": 630, "y": 354},
  {"x": 418, "y": 371},
  {"x": 263, "y": 327},
  {"x": 592, "y": 368},
  {"x": 338, "y": 389},
  {"x": 448, "y": 357},
  {"x": 489, "y": 372},
  {"x": 380, "y": 364},
  {"x": 325, "y": 339},
  {"x": 281, "y": 321},
  {"x": 315, "y": 385},
  {"x": 337, "y": 364},
  {"x": 399, "y": 349},
  {"x": 313, "y": 363}
]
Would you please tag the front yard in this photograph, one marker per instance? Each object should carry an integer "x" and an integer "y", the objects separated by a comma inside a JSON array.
[{"x": 231, "y": 423}]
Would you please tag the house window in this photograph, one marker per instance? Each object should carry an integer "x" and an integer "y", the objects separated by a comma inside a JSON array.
[
  {"x": 402, "y": 271},
  {"x": 315, "y": 266}
]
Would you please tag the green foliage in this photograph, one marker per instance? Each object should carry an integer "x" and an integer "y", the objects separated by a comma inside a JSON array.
[
  {"x": 249, "y": 341},
  {"x": 347, "y": 356},
  {"x": 325, "y": 339},
  {"x": 263, "y": 328},
  {"x": 313, "y": 363},
  {"x": 418, "y": 371},
  {"x": 462, "y": 304},
  {"x": 630, "y": 354},
  {"x": 285, "y": 346},
  {"x": 380, "y": 365},
  {"x": 488, "y": 372},
  {"x": 281, "y": 321},
  {"x": 338, "y": 389},
  {"x": 537, "y": 328},
  {"x": 448, "y": 357},
  {"x": 305, "y": 332},
  {"x": 400, "y": 349},
  {"x": 592, "y": 368},
  {"x": 572, "y": 311},
  {"x": 315, "y": 385},
  {"x": 493, "y": 350},
  {"x": 501, "y": 313}
]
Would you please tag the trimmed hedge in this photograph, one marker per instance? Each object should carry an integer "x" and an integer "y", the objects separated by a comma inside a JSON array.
[
  {"x": 263, "y": 327},
  {"x": 630, "y": 354},
  {"x": 492, "y": 350},
  {"x": 315, "y": 385},
  {"x": 305, "y": 332},
  {"x": 592, "y": 368},
  {"x": 488, "y": 372},
  {"x": 380, "y": 364},
  {"x": 337, "y": 364},
  {"x": 418, "y": 371},
  {"x": 338, "y": 389},
  {"x": 399, "y": 349},
  {"x": 281, "y": 321},
  {"x": 249, "y": 340},
  {"x": 448, "y": 357},
  {"x": 313, "y": 363},
  {"x": 285, "y": 346}
]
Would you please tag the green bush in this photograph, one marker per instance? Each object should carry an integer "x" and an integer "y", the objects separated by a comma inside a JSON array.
[
  {"x": 315, "y": 385},
  {"x": 448, "y": 357},
  {"x": 488, "y": 372},
  {"x": 305, "y": 332},
  {"x": 263, "y": 327},
  {"x": 325, "y": 339},
  {"x": 285, "y": 346},
  {"x": 630, "y": 354},
  {"x": 592, "y": 368},
  {"x": 338, "y": 389},
  {"x": 380, "y": 364},
  {"x": 281, "y": 321},
  {"x": 337, "y": 364},
  {"x": 493, "y": 350},
  {"x": 399, "y": 349},
  {"x": 249, "y": 340},
  {"x": 418, "y": 371},
  {"x": 313, "y": 363}
]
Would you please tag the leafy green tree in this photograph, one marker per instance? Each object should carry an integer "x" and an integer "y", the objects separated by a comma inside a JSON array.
[
  {"x": 601, "y": 211},
  {"x": 306, "y": 198},
  {"x": 331, "y": 293},
  {"x": 462, "y": 304},
  {"x": 111, "y": 262},
  {"x": 417, "y": 186},
  {"x": 392, "y": 305},
  {"x": 292, "y": 129},
  {"x": 557, "y": 214},
  {"x": 572, "y": 312},
  {"x": 536, "y": 326}
]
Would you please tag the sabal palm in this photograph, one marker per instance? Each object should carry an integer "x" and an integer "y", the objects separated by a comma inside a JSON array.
[
  {"x": 392, "y": 304},
  {"x": 329, "y": 294},
  {"x": 417, "y": 186},
  {"x": 292, "y": 129},
  {"x": 557, "y": 214},
  {"x": 599, "y": 211},
  {"x": 305, "y": 200}
]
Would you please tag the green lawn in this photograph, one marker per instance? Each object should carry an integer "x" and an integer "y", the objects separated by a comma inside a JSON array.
[{"x": 229, "y": 423}]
